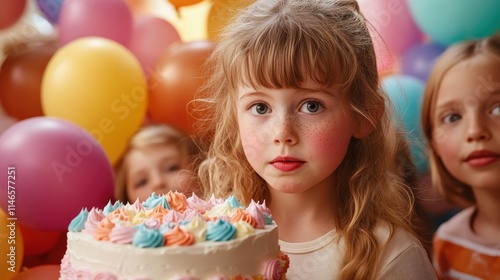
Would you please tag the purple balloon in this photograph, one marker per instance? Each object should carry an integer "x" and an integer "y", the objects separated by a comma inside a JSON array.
[
  {"x": 51, "y": 169},
  {"x": 419, "y": 60},
  {"x": 50, "y": 8}
]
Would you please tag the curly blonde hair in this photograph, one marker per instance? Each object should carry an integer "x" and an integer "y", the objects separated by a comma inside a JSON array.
[
  {"x": 280, "y": 44},
  {"x": 453, "y": 190}
]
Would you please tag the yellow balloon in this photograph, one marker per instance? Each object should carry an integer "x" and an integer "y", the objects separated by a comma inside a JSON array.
[
  {"x": 99, "y": 85},
  {"x": 11, "y": 248}
]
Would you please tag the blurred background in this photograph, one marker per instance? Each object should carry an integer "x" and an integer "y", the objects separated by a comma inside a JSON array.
[{"x": 79, "y": 77}]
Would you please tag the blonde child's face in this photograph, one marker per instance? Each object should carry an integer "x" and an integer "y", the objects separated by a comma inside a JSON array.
[
  {"x": 294, "y": 138},
  {"x": 158, "y": 169},
  {"x": 466, "y": 122}
]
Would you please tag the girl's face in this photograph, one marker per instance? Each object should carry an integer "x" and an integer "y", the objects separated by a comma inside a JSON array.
[
  {"x": 294, "y": 138},
  {"x": 466, "y": 122},
  {"x": 158, "y": 169}
]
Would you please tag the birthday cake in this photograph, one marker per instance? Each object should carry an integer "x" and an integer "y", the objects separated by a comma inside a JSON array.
[{"x": 174, "y": 237}]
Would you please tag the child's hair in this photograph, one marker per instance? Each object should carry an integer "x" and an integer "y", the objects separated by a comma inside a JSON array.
[
  {"x": 279, "y": 44},
  {"x": 151, "y": 135},
  {"x": 454, "y": 190}
]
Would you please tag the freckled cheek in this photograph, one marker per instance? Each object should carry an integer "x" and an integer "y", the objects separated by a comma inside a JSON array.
[{"x": 328, "y": 142}]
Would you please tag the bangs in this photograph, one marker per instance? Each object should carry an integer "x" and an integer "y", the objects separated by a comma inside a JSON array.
[{"x": 284, "y": 53}]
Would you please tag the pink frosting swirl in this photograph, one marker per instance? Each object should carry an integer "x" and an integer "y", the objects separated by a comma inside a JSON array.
[
  {"x": 272, "y": 270},
  {"x": 172, "y": 216},
  {"x": 122, "y": 234},
  {"x": 137, "y": 206},
  {"x": 198, "y": 204},
  {"x": 94, "y": 218},
  {"x": 254, "y": 211}
]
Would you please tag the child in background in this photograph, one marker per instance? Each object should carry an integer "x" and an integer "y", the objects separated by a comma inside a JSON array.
[
  {"x": 294, "y": 115},
  {"x": 158, "y": 159},
  {"x": 461, "y": 120}
]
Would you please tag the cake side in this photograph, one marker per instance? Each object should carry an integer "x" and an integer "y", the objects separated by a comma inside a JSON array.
[{"x": 245, "y": 256}]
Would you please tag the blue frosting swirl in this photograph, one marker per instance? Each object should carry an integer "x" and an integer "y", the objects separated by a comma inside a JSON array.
[
  {"x": 220, "y": 230},
  {"x": 78, "y": 223},
  {"x": 111, "y": 207},
  {"x": 148, "y": 238},
  {"x": 154, "y": 200},
  {"x": 233, "y": 202},
  {"x": 268, "y": 218}
]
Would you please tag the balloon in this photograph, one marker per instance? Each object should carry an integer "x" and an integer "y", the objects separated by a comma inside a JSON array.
[
  {"x": 221, "y": 13},
  {"x": 406, "y": 93},
  {"x": 11, "y": 12},
  {"x": 55, "y": 169},
  {"x": 20, "y": 81},
  {"x": 38, "y": 241},
  {"x": 12, "y": 249},
  {"x": 6, "y": 122},
  {"x": 99, "y": 85},
  {"x": 110, "y": 19},
  {"x": 180, "y": 3},
  {"x": 178, "y": 76},
  {"x": 50, "y": 9},
  {"x": 450, "y": 21},
  {"x": 46, "y": 272},
  {"x": 391, "y": 27},
  {"x": 150, "y": 38},
  {"x": 419, "y": 60}
]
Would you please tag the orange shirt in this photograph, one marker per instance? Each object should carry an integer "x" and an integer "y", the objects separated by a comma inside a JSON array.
[{"x": 460, "y": 254}]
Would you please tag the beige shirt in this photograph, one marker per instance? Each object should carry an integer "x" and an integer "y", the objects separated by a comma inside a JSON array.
[{"x": 403, "y": 258}]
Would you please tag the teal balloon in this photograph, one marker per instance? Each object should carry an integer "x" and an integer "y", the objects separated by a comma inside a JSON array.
[
  {"x": 406, "y": 94},
  {"x": 450, "y": 21}
]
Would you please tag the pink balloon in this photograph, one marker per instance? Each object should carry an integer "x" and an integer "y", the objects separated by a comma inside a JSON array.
[
  {"x": 6, "y": 122},
  {"x": 52, "y": 169},
  {"x": 10, "y": 12},
  {"x": 392, "y": 28},
  {"x": 150, "y": 37},
  {"x": 110, "y": 19}
]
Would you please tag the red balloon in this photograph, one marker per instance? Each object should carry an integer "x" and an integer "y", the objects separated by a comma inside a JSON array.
[
  {"x": 46, "y": 272},
  {"x": 179, "y": 74},
  {"x": 20, "y": 81},
  {"x": 38, "y": 241},
  {"x": 10, "y": 12}
]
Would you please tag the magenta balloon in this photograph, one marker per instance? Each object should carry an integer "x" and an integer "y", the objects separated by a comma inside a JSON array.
[
  {"x": 150, "y": 38},
  {"x": 393, "y": 21},
  {"x": 56, "y": 169},
  {"x": 110, "y": 19}
]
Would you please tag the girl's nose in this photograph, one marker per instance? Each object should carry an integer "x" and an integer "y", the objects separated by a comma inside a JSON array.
[
  {"x": 477, "y": 130},
  {"x": 285, "y": 131}
]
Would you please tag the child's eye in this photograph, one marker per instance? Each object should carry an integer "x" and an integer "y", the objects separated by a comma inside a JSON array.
[
  {"x": 451, "y": 118},
  {"x": 496, "y": 110},
  {"x": 311, "y": 107},
  {"x": 172, "y": 168},
  {"x": 259, "y": 108},
  {"x": 141, "y": 183}
]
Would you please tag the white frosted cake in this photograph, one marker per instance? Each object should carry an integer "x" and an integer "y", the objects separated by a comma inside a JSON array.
[{"x": 174, "y": 237}]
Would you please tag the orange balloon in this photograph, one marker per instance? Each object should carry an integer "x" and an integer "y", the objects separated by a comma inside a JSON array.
[
  {"x": 179, "y": 3},
  {"x": 11, "y": 12},
  {"x": 46, "y": 272},
  {"x": 179, "y": 74},
  {"x": 20, "y": 81},
  {"x": 38, "y": 241}
]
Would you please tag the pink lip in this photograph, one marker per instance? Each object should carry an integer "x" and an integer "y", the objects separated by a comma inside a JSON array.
[
  {"x": 482, "y": 158},
  {"x": 286, "y": 163}
]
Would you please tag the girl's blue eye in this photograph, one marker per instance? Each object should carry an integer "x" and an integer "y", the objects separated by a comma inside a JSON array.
[
  {"x": 259, "y": 108},
  {"x": 451, "y": 118},
  {"x": 311, "y": 107}
]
